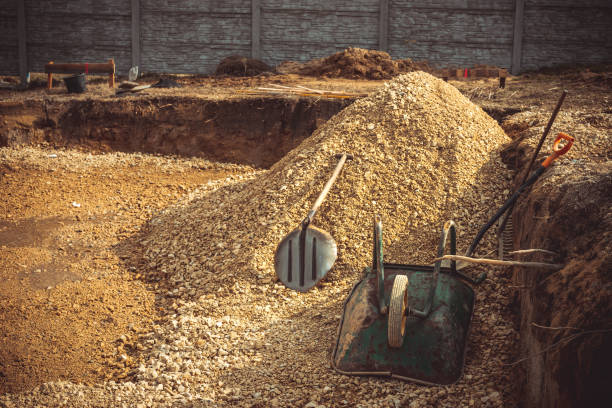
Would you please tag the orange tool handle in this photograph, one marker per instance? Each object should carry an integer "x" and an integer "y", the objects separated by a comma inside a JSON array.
[{"x": 559, "y": 151}]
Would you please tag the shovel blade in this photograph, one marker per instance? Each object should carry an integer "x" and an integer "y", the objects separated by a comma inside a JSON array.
[{"x": 301, "y": 269}]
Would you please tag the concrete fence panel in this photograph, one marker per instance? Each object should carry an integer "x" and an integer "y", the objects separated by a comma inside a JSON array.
[
  {"x": 9, "y": 48},
  {"x": 192, "y": 36}
]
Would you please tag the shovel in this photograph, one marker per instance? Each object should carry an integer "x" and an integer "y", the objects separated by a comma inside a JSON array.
[{"x": 305, "y": 256}]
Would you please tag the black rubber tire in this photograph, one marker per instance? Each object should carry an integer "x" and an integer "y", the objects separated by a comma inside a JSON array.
[{"x": 397, "y": 311}]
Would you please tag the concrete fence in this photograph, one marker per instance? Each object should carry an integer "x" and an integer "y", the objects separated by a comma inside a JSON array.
[{"x": 192, "y": 36}]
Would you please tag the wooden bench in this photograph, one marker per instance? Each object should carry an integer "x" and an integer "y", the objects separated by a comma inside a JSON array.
[{"x": 86, "y": 68}]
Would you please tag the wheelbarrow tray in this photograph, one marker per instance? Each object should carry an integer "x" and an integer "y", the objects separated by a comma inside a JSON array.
[{"x": 433, "y": 351}]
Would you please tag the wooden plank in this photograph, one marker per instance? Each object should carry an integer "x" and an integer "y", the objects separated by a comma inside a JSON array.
[
  {"x": 135, "y": 33},
  {"x": 90, "y": 68},
  {"x": 256, "y": 29},
  {"x": 383, "y": 26},
  {"x": 21, "y": 38},
  {"x": 517, "y": 39}
]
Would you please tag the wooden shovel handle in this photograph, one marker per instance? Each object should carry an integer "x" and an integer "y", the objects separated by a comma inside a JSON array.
[{"x": 328, "y": 185}]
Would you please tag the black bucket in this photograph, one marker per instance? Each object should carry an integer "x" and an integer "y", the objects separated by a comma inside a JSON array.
[{"x": 75, "y": 83}]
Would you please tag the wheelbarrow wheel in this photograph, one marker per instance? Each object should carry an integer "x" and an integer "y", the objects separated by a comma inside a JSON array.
[{"x": 397, "y": 311}]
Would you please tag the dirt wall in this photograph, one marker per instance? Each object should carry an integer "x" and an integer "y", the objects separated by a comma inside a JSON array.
[
  {"x": 257, "y": 131},
  {"x": 566, "y": 315}
]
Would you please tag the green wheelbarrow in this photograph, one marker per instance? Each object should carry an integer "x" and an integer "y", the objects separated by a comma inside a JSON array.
[
  {"x": 412, "y": 321},
  {"x": 407, "y": 321}
]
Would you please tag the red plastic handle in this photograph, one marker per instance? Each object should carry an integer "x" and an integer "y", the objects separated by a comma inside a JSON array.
[{"x": 559, "y": 151}]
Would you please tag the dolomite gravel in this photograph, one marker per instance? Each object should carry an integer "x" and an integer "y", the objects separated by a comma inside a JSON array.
[{"x": 234, "y": 336}]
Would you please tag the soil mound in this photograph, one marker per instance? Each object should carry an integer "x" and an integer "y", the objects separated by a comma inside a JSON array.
[
  {"x": 237, "y": 65},
  {"x": 423, "y": 154},
  {"x": 166, "y": 83},
  {"x": 355, "y": 63}
]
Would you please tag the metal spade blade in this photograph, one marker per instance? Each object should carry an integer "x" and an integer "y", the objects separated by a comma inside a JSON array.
[{"x": 304, "y": 257}]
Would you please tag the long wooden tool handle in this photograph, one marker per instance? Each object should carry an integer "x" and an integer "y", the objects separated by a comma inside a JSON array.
[
  {"x": 328, "y": 185},
  {"x": 546, "y": 130}
]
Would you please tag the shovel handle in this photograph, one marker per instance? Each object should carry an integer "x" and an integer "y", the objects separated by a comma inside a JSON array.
[
  {"x": 343, "y": 158},
  {"x": 559, "y": 151}
]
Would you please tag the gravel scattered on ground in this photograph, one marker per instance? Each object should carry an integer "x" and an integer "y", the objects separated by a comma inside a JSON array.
[
  {"x": 72, "y": 304},
  {"x": 231, "y": 335}
]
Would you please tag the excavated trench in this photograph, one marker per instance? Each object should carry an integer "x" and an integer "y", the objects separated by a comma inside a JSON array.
[{"x": 257, "y": 132}]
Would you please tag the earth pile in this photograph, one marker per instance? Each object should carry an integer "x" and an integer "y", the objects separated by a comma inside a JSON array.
[{"x": 355, "y": 63}]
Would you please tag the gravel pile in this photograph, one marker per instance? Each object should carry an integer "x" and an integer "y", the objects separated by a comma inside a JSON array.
[
  {"x": 234, "y": 336},
  {"x": 423, "y": 154}
]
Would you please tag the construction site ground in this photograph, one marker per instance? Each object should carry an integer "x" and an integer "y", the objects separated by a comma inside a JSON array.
[{"x": 78, "y": 305}]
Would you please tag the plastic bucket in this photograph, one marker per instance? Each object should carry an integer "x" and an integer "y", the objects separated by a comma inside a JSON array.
[{"x": 75, "y": 83}]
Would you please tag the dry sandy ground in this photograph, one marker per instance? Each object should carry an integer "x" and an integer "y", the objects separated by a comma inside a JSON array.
[
  {"x": 75, "y": 305},
  {"x": 67, "y": 293}
]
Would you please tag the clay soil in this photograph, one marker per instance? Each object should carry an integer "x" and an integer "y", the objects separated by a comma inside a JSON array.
[
  {"x": 76, "y": 302},
  {"x": 72, "y": 297}
]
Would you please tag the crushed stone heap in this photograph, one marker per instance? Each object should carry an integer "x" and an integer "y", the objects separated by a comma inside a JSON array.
[{"x": 423, "y": 154}]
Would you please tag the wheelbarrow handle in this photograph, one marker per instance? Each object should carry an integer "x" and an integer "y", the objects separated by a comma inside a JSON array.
[
  {"x": 378, "y": 265},
  {"x": 343, "y": 158},
  {"x": 449, "y": 227}
]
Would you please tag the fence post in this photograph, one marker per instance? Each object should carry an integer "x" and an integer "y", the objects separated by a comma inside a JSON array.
[
  {"x": 256, "y": 29},
  {"x": 136, "y": 34},
  {"x": 21, "y": 42},
  {"x": 383, "y": 24},
  {"x": 517, "y": 39}
]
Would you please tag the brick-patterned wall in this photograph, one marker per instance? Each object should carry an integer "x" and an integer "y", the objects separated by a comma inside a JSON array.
[
  {"x": 192, "y": 36},
  {"x": 9, "y": 53},
  {"x": 303, "y": 30},
  {"x": 74, "y": 31},
  {"x": 451, "y": 32},
  {"x": 563, "y": 32}
]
